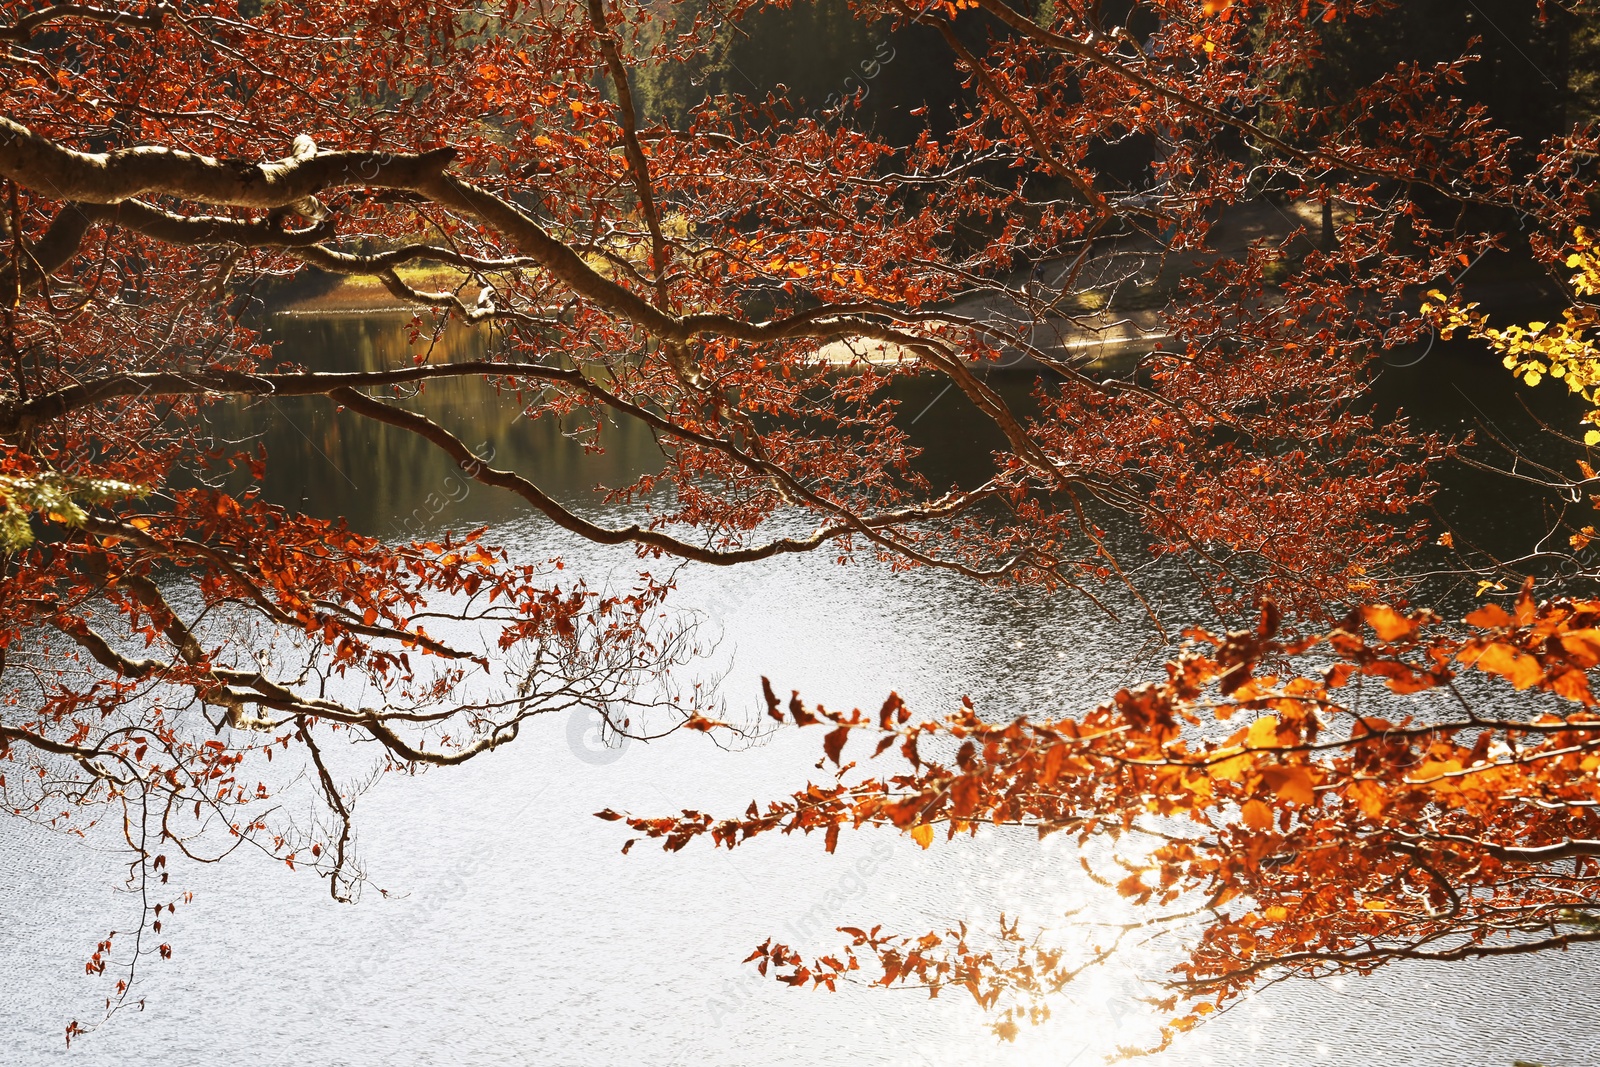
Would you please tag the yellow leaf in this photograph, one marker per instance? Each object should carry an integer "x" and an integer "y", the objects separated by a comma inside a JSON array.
[
  {"x": 1437, "y": 769},
  {"x": 922, "y": 835},
  {"x": 1233, "y": 770},
  {"x": 1264, "y": 732}
]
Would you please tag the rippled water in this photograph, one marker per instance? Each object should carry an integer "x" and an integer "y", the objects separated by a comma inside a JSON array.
[{"x": 514, "y": 932}]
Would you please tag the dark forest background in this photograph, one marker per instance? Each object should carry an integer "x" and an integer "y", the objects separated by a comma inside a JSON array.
[{"x": 1538, "y": 72}]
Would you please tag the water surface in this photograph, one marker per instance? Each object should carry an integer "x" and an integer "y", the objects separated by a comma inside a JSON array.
[{"x": 514, "y": 932}]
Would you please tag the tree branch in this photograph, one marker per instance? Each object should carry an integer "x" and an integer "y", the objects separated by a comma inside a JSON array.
[
  {"x": 112, "y": 177},
  {"x": 26, "y": 26}
]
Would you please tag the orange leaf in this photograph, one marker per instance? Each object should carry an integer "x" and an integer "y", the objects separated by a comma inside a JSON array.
[
  {"x": 1257, "y": 815},
  {"x": 1053, "y": 759},
  {"x": 1264, "y": 732},
  {"x": 1232, "y": 770},
  {"x": 963, "y": 796},
  {"x": 1369, "y": 796},
  {"x": 1437, "y": 769},
  {"x": 1388, "y": 623},
  {"x": 1527, "y": 607},
  {"x": 1517, "y": 667},
  {"x": 1295, "y": 786},
  {"x": 1574, "y": 685},
  {"x": 1583, "y": 646},
  {"x": 833, "y": 744},
  {"x": 1490, "y": 615},
  {"x": 922, "y": 835}
]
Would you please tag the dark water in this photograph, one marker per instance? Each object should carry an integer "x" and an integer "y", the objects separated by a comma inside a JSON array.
[{"x": 515, "y": 932}]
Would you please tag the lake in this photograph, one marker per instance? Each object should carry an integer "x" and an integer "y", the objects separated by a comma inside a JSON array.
[{"x": 513, "y": 931}]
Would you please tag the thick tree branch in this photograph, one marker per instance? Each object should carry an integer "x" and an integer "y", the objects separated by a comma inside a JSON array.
[
  {"x": 175, "y": 229},
  {"x": 50, "y": 252},
  {"x": 42, "y": 164},
  {"x": 25, "y": 27}
]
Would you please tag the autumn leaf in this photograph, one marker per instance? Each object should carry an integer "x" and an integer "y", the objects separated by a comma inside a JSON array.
[
  {"x": 1516, "y": 666},
  {"x": 1490, "y": 616},
  {"x": 1263, "y": 732},
  {"x": 1572, "y": 685},
  {"x": 1295, "y": 785},
  {"x": 1232, "y": 769},
  {"x": 833, "y": 743},
  {"x": 1257, "y": 815},
  {"x": 1369, "y": 796},
  {"x": 1054, "y": 759},
  {"x": 963, "y": 796},
  {"x": 1388, "y": 623},
  {"x": 1437, "y": 773},
  {"x": 1582, "y": 645}
]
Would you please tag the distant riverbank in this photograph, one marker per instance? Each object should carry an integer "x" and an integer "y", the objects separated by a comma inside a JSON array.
[{"x": 313, "y": 292}]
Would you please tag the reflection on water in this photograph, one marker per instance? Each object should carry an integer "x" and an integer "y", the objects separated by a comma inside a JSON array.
[
  {"x": 513, "y": 931},
  {"x": 387, "y": 481}
]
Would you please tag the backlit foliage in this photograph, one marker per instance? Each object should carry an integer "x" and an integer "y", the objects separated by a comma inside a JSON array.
[
  {"x": 166, "y": 630},
  {"x": 1289, "y": 827},
  {"x": 1563, "y": 350},
  {"x": 56, "y": 498}
]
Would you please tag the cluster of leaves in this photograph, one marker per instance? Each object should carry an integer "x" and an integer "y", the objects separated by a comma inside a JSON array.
[
  {"x": 58, "y": 497},
  {"x": 1317, "y": 837},
  {"x": 1563, "y": 350}
]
